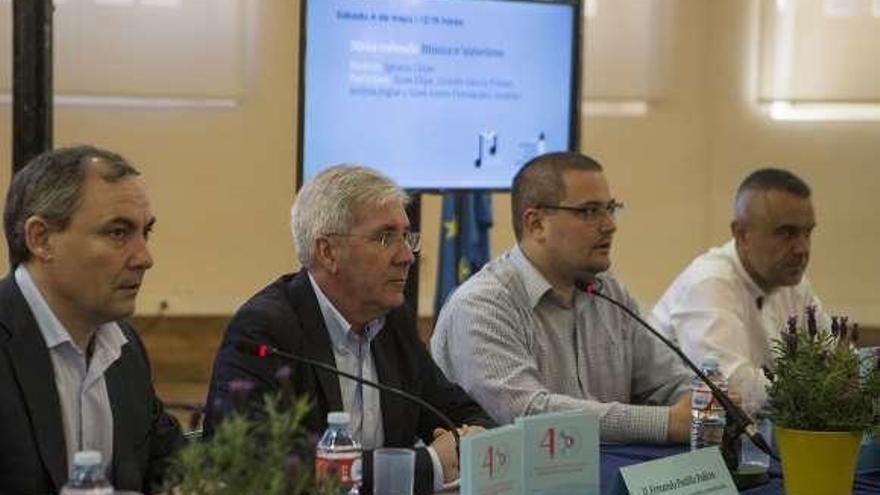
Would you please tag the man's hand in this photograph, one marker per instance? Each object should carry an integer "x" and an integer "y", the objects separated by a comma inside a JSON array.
[
  {"x": 678, "y": 429},
  {"x": 444, "y": 446}
]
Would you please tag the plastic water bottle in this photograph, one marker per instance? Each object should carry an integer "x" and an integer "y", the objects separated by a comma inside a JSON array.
[
  {"x": 708, "y": 417},
  {"x": 339, "y": 454},
  {"x": 88, "y": 476}
]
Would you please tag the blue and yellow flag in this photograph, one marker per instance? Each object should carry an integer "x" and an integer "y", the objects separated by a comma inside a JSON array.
[{"x": 464, "y": 240}]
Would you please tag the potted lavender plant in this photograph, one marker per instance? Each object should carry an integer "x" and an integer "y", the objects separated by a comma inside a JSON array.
[
  {"x": 821, "y": 404},
  {"x": 270, "y": 455}
]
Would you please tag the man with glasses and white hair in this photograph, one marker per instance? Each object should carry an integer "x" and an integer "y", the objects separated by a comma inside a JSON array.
[
  {"x": 521, "y": 338},
  {"x": 346, "y": 308}
]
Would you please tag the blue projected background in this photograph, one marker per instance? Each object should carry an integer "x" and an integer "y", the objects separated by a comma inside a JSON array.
[{"x": 437, "y": 94}]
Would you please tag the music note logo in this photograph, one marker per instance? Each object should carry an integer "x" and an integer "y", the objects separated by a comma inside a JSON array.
[{"x": 487, "y": 147}]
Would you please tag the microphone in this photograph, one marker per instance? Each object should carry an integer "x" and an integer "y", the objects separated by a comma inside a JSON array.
[
  {"x": 254, "y": 348},
  {"x": 742, "y": 422}
]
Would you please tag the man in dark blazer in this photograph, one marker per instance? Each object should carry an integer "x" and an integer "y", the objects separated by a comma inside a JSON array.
[
  {"x": 345, "y": 308},
  {"x": 73, "y": 377}
]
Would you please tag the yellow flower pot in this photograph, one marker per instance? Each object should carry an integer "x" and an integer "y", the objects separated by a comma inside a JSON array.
[{"x": 817, "y": 462}]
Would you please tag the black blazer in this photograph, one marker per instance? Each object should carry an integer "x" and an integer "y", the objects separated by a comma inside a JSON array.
[
  {"x": 286, "y": 315},
  {"x": 33, "y": 455}
]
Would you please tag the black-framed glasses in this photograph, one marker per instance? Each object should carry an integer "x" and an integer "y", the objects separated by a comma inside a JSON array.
[
  {"x": 592, "y": 212},
  {"x": 390, "y": 238}
]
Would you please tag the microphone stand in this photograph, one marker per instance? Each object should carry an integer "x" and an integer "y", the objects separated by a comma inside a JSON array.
[
  {"x": 252, "y": 347},
  {"x": 742, "y": 423}
]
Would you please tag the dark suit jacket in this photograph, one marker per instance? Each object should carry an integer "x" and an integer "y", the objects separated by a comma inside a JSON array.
[
  {"x": 286, "y": 315},
  {"x": 33, "y": 455}
]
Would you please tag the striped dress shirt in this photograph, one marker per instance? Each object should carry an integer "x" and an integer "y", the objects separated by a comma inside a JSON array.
[{"x": 518, "y": 349}]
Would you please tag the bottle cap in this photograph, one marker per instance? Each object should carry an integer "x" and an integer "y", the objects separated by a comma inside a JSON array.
[
  {"x": 711, "y": 362},
  {"x": 88, "y": 458},
  {"x": 338, "y": 418}
]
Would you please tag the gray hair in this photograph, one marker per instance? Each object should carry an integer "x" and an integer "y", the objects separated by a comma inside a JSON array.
[
  {"x": 539, "y": 182},
  {"x": 50, "y": 187},
  {"x": 329, "y": 202},
  {"x": 764, "y": 180}
]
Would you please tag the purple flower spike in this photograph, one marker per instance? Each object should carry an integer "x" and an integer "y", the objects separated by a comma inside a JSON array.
[
  {"x": 843, "y": 327},
  {"x": 792, "y": 324},
  {"x": 293, "y": 466},
  {"x": 811, "y": 321},
  {"x": 283, "y": 377},
  {"x": 835, "y": 326},
  {"x": 240, "y": 387},
  {"x": 239, "y": 390},
  {"x": 283, "y": 374},
  {"x": 790, "y": 340}
]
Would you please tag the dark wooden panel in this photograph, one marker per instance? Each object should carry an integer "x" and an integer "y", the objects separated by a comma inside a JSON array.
[{"x": 182, "y": 350}]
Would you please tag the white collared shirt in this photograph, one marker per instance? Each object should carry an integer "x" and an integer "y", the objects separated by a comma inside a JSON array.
[
  {"x": 82, "y": 390},
  {"x": 715, "y": 309}
]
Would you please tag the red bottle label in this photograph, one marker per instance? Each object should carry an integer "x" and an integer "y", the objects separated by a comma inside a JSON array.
[{"x": 345, "y": 466}]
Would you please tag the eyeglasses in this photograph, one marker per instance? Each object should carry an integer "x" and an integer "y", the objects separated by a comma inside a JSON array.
[
  {"x": 390, "y": 238},
  {"x": 589, "y": 213}
]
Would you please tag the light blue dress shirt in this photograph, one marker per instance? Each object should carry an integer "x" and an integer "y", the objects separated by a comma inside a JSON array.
[
  {"x": 352, "y": 354},
  {"x": 82, "y": 390}
]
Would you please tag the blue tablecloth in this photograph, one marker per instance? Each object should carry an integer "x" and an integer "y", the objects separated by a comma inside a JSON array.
[{"x": 616, "y": 456}]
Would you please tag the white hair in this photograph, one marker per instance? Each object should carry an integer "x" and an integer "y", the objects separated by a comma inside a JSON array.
[{"x": 328, "y": 203}]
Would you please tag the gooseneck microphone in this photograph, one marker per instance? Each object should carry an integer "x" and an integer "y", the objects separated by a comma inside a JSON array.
[
  {"x": 254, "y": 348},
  {"x": 742, "y": 422}
]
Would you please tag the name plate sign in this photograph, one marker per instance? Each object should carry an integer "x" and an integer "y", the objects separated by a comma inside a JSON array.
[
  {"x": 492, "y": 462},
  {"x": 701, "y": 472},
  {"x": 561, "y": 453}
]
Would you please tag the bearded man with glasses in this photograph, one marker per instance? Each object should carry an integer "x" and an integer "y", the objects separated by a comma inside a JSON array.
[
  {"x": 345, "y": 307},
  {"x": 521, "y": 339}
]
